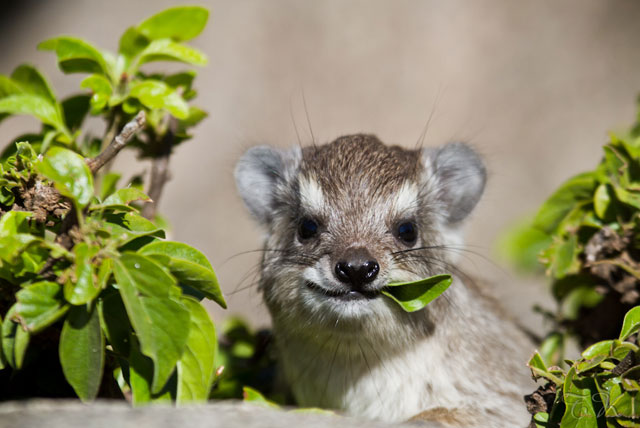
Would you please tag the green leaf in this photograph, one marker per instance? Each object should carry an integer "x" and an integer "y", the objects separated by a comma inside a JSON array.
[
  {"x": 33, "y": 105},
  {"x": 155, "y": 94},
  {"x": 626, "y": 405},
  {"x": 563, "y": 256},
  {"x": 81, "y": 288},
  {"x": 40, "y": 305},
  {"x": 182, "y": 80},
  {"x": 101, "y": 90},
  {"x": 8, "y": 86},
  {"x": 76, "y": 56},
  {"x": 537, "y": 362},
  {"x": 3, "y": 362},
  {"x": 586, "y": 365},
  {"x": 196, "y": 370},
  {"x": 195, "y": 116},
  {"x": 627, "y": 423},
  {"x": 578, "y": 397},
  {"x": 250, "y": 395},
  {"x": 630, "y": 380},
  {"x": 615, "y": 164},
  {"x": 75, "y": 110},
  {"x": 552, "y": 349},
  {"x": 168, "y": 50},
  {"x": 49, "y": 137},
  {"x": 413, "y": 296},
  {"x": 631, "y": 323},
  {"x": 125, "y": 227},
  {"x": 539, "y": 369},
  {"x": 70, "y": 174},
  {"x": 32, "y": 258},
  {"x": 602, "y": 201},
  {"x": 125, "y": 197},
  {"x": 115, "y": 323},
  {"x": 599, "y": 348},
  {"x": 521, "y": 245},
  {"x": 188, "y": 265},
  {"x": 178, "y": 23},
  {"x": 108, "y": 184},
  {"x": 161, "y": 323},
  {"x": 577, "y": 189},
  {"x": 82, "y": 351},
  {"x": 15, "y": 222},
  {"x": 541, "y": 419},
  {"x": 11, "y": 247},
  {"x": 628, "y": 197},
  {"x": 132, "y": 43},
  {"x": 15, "y": 340},
  {"x": 141, "y": 371},
  {"x": 32, "y": 82},
  {"x": 14, "y": 235},
  {"x": 619, "y": 350}
]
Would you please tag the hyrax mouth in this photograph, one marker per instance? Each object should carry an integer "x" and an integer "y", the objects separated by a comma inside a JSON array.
[{"x": 344, "y": 294}]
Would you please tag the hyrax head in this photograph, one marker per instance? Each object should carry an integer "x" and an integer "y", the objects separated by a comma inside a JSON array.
[{"x": 345, "y": 218}]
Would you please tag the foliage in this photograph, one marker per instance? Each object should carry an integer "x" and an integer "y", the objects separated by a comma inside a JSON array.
[
  {"x": 246, "y": 358},
  {"x": 83, "y": 272},
  {"x": 586, "y": 235},
  {"x": 415, "y": 295},
  {"x": 599, "y": 389}
]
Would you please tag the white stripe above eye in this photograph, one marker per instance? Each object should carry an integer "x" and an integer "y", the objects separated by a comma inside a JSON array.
[
  {"x": 311, "y": 195},
  {"x": 405, "y": 199}
]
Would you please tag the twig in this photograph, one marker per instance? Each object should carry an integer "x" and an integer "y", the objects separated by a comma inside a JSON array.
[
  {"x": 118, "y": 142},
  {"x": 112, "y": 129},
  {"x": 160, "y": 169}
]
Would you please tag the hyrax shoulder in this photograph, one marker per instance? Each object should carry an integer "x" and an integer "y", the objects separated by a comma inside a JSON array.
[{"x": 344, "y": 219}]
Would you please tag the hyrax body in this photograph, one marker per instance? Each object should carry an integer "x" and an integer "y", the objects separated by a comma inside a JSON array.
[{"x": 344, "y": 219}]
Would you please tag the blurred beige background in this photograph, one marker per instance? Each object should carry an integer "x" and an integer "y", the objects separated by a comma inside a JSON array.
[{"x": 533, "y": 84}]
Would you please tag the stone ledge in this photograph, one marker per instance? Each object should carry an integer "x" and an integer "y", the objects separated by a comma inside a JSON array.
[{"x": 116, "y": 414}]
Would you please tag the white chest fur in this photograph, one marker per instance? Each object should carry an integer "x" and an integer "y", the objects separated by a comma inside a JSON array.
[
  {"x": 471, "y": 364},
  {"x": 378, "y": 383}
]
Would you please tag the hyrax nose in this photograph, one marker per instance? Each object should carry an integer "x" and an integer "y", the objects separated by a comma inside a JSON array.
[{"x": 357, "y": 267}]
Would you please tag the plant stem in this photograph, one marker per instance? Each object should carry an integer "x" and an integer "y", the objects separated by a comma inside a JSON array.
[
  {"x": 118, "y": 142},
  {"x": 160, "y": 169}
]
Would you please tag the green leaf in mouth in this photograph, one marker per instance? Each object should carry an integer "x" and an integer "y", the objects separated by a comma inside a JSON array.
[{"x": 415, "y": 295}]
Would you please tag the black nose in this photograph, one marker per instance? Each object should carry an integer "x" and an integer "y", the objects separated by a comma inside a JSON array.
[{"x": 358, "y": 269}]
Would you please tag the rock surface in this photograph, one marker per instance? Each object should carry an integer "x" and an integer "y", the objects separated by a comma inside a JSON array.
[{"x": 105, "y": 414}]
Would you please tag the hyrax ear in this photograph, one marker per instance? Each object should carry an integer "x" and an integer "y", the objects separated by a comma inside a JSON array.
[
  {"x": 456, "y": 174},
  {"x": 261, "y": 173}
]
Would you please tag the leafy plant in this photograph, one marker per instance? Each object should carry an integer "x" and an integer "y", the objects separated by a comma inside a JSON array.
[
  {"x": 599, "y": 389},
  {"x": 587, "y": 232},
  {"x": 86, "y": 276},
  {"x": 245, "y": 358}
]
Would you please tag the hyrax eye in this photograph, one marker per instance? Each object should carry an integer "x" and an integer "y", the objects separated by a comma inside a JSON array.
[
  {"x": 407, "y": 232},
  {"x": 308, "y": 228}
]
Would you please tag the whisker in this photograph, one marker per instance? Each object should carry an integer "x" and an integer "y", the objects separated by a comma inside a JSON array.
[
  {"x": 293, "y": 120},
  {"x": 425, "y": 130},
  {"x": 461, "y": 250},
  {"x": 306, "y": 111}
]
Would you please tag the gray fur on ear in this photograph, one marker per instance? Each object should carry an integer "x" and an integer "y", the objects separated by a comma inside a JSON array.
[
  {"x": 458, "y": 174},
  {"x": 260, "y": 173}
]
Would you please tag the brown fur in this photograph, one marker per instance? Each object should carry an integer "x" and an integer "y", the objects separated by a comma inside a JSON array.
[{"x": 356, "y": 162}]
